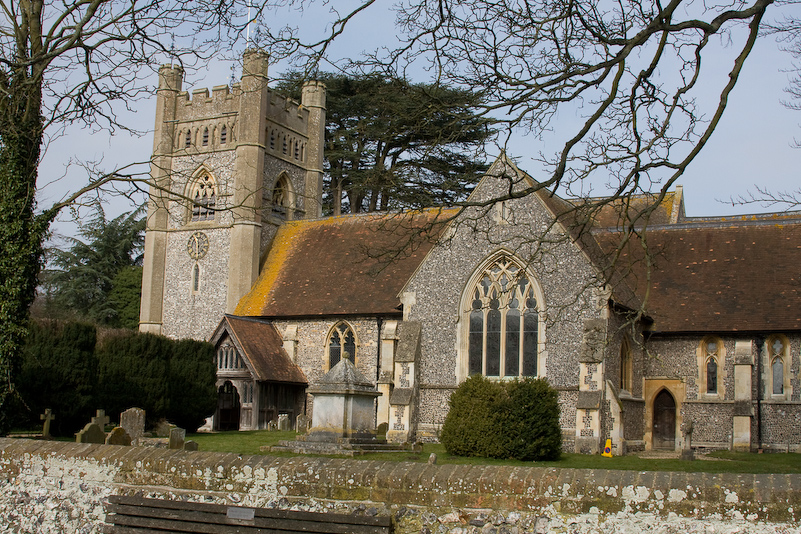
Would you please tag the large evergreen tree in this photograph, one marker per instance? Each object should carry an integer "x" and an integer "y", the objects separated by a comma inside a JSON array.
[
  {"x": 96, "y": 277},
  {"x": 394, "y": 144}
]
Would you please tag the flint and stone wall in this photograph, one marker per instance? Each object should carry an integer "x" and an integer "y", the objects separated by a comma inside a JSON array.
[
  {"x": 434, "y": 296},
  {"x": 50, "y": 486}
]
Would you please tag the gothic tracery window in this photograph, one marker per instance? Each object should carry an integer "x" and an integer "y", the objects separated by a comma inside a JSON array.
[
  {"x": 204, "y": 198},
  {"x": 341, "y": 344},
  {"x": 503, "y": 323}
]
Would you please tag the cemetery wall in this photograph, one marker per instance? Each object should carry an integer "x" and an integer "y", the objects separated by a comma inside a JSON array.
[{"x": 48, "y": 486}]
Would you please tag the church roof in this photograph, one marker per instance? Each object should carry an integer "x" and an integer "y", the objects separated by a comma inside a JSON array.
[
  {"x": 724, "y": 275},
  {"x": 261, "y": 345},
  {"x": 347, "y": 265}
]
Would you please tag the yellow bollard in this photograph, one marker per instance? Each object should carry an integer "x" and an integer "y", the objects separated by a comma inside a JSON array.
[{"x": 607, "y": 449}]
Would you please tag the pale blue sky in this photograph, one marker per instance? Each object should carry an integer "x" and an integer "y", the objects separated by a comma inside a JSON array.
[{"x": 753, "y": 143}]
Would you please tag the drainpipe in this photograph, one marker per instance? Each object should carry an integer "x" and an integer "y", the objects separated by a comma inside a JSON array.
[
  {"x": 760, "y": 343},
  {"x": 380, "y": 322}
]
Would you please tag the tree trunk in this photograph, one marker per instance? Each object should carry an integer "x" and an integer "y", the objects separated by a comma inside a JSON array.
[{"x": 21, "y": 231}]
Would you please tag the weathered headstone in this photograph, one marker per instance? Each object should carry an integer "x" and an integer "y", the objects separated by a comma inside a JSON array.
[
  {"x": 163, "y": 428},
  {"x": 381, "y": 430},
  {"x": 118, "y": 436},
  {"x": 302, "y": 423},
  {"x": 283, "y": 422},
  {"x": 687, "y": 451},
  {"x": 191, "y": 445},
  {"x": 46, "y": 417},
  {"x": 133, "y": 421},
  {"x": 432, "y": 459},
  {"x": 100, "y": 419},
  {"x": 272, "y": 425},
  {"x": 177, "y": 438},
  {"x": 91, "y": 433}
]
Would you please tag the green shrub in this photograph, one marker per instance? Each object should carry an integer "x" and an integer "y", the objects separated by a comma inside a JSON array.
[
  {"x": 471, "y": 427},
  {"x": 516, "y": 420},
  {"x": 193, "y": 395},
  {"x": 531, "y": 420},
  {"x": 58, "y": 371},
  {"x": 169, "y": 379},
  {"x": 133, "y": 371}
]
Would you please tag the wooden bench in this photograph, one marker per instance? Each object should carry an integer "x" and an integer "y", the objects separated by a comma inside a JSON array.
[{"x": 129, "y": 515}]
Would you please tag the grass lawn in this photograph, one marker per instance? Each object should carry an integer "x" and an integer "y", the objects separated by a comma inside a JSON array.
[{"x": 718, "y": 462}]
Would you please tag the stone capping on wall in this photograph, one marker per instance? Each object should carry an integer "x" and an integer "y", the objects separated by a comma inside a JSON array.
[{"x": 100, "y": 470}]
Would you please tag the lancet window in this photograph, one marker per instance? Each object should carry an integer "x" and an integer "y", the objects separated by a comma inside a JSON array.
[{"x": 777, "y": 347}]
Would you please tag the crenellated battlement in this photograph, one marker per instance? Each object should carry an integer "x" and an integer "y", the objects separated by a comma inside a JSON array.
[{"x": 208, "y": 121}]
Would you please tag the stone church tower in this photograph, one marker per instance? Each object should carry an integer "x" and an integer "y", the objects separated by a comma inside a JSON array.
[{"x": 227, "y": 169}]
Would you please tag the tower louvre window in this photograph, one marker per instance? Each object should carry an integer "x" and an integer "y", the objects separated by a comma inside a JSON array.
[{"x": 204, "y": 199}]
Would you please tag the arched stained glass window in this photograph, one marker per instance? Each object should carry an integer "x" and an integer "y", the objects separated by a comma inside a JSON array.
[
  {"x": 341, "y": 344},
  {"x": 503, "y": 323}
]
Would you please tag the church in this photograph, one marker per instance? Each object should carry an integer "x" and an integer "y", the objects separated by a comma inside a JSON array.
[{"x": 691, "y": 326}]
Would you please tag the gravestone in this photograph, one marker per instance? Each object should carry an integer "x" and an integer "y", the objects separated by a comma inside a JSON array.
[
  {"x": 133, "y": 421},
  {"x": 100, "y": 419},
  {"x": 381, "y": 431},
  {"x": 118, "y": 436},
  {"x": 283, "y": 422},
  {"x": 46, "y": 417},
  {"x": 687, "y": 451},
  {"x": 302, "y": 423},
  {"x": 177, "y": 438},
  {"x": 272, "y": 425},
  {"x": 91, "y": 433},
  {"x": 163, "y": 428},
  {"x": 191, "y": 445}
]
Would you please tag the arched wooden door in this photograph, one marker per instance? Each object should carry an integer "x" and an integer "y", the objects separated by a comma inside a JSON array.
[
  {"x": 664, "y": 433},
  {"x": 228, "y": 407}
]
